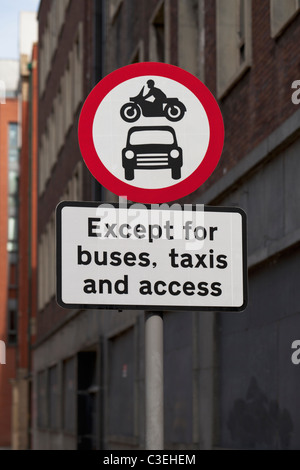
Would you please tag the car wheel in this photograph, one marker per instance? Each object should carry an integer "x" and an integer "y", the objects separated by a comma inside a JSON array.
[
  {"x": 176, "y": 173},
  {"x": 129, "y": 174}
]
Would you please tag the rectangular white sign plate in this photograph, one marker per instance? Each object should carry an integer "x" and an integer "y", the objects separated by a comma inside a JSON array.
[{"x": 187, "y": 257}]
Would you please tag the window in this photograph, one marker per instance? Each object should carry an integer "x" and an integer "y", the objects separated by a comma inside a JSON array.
[
  {"x": 41, "y": 63},
  {"x": 77, "y": 65},
  {"x": 188, "y": 27},
  {"x": 59, "y": 120},
  {"x": 43, "y": 279},
  {"x": 53, "y": 395},
  {"x": 13, "y": 175},
  {"x": 52, "y": 142},
  {"x": 282, "y": 12},
  {"x": 69, "y": 396},
  {"x": 42, "y": 399},
  {"x": 46, "y": 286},
  {"x": 159, "y": 29},
  {"x": 138, "y": 54},
  {"x": 121, "y": 386},
  {"x": 68, "y": 95},
  {"x": 46, "y": 156},
  {"x": 13, "y": 276},
  {"x": 13, "y": 181},
  {"x": 87, "y": 400},
  {"x": 234, "y": 52},
  {"x": 13, "y": 154},
  {"x": 40, "y": 280},
  {"x": 114, "y": 7},
  {"x": 74, "y": 187},
  {"x": 12, "y": 329},
  {"x": 12, "y": 244},
  {"x": 61, "y": 117},
  {"x": 49, "y": 40},
  {"x": 51, "y": 251}
]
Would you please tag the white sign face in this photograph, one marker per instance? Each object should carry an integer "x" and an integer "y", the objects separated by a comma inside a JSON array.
[
  {"x": 189, "y": 133},
  {"x": 178, "y": 257}
]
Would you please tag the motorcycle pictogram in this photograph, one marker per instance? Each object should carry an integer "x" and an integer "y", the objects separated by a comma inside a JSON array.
[{"x": 171, "y": 108}]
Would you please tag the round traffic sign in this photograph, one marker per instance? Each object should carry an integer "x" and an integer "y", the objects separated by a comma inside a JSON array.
[{"x": 151, "y": 132}]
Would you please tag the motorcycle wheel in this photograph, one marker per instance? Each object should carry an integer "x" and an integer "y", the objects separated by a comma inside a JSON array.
[
  {"x": 130, "y": 112},
  {"x": 174, "y": 112}
]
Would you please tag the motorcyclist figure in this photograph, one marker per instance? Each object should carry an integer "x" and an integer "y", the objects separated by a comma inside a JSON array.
[{"x": 159, "y": 98}]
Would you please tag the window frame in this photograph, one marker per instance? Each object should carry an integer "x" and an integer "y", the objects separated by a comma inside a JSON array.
[
  {"x": 165, "y": 6},
  {"x": 239, "y": 71},
  {"x": 276, "y": 31}
]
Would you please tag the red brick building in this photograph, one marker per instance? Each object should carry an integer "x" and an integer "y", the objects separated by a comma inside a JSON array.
[
  {"x": 69, "y": 65},
  {"x": 9, "y": 172},
  {"x": 18, "y": 249},
  {"x": 27, "y": 264}
]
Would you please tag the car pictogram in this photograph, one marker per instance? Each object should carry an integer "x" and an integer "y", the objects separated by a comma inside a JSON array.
[{"x": 152, "y": 148}]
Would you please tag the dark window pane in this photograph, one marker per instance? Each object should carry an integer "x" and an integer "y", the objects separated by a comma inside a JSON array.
[
  {"x": 13, "y": 153},
  {"x": 69, "y": 396},
  {"x": 53, "y": 398},
  {"x": 12, "y": 325},
  {"x": 42, "y": 399}
]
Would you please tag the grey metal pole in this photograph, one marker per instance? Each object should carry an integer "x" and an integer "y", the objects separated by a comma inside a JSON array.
[{"x": 154, "y": 381}]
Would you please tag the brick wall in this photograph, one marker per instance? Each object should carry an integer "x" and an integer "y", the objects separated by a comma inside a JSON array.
[
  {"x": 8, "y": 113},
  {"x": 78, "y": 11},
  {"x": 261, "y": 100}
]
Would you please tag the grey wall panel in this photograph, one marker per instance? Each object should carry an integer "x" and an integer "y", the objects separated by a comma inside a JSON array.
[
  {"x": 121, "y": 376},
  {"x": 289, "y": 381},
  {"x": 258, "y": 382},
  {"x": 292, "y": 187}
]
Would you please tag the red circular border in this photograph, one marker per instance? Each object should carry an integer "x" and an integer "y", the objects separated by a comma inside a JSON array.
[{"x": 143, "y": 195}]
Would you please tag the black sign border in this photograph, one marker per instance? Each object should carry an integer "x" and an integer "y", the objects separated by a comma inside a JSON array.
[{"x": 119, "y": 307}]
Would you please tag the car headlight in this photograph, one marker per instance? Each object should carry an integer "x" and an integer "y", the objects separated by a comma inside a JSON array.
[
  {"x": 129, "y": 154},
  {"x": 174, "y": 153}
]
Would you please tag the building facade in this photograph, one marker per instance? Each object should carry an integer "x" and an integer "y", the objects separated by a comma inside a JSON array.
[
  {"x": 27, "y": 259},
  {"x": 69, "y": 65},
  {"x": 252, "y": 377},
  {"x": 18, "y": 234},
  {"x": 229, "y": 381},
  {"x": 9, "y": 174}
]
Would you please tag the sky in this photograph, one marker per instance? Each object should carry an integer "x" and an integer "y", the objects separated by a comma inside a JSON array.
[{"x": 9, "y": 25}]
